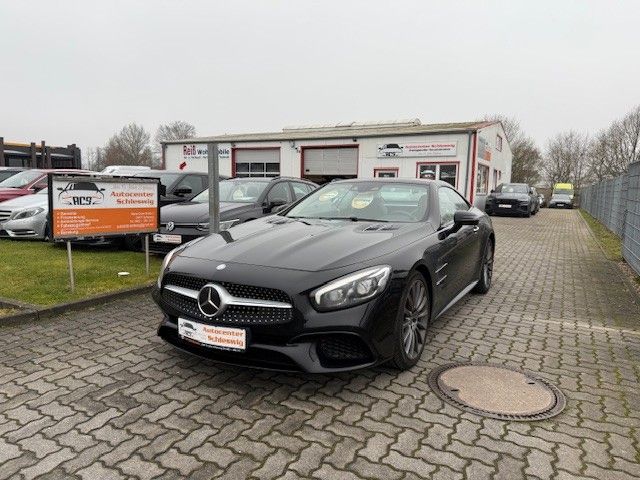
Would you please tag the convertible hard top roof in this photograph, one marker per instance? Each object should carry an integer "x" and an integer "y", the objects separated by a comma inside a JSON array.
[{"x": 414, "y": 181}]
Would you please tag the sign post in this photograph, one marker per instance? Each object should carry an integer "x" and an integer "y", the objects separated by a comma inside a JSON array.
[
  {"x": 88, "y": 206},
  {"x": 214, "y": 188},
  {"x": 146, "y": 254},
  {"x": 70, "y": 262}
]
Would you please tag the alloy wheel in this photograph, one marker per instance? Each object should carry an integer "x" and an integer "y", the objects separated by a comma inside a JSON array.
[
  {"x": 416, "y": 318},
  {"x": 487, "y": 267}
]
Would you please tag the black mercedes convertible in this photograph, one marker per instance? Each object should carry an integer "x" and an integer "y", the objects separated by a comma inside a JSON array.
[{"x": 347, "y": 277}]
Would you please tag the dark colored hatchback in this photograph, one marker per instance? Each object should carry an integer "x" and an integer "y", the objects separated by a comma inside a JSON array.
[{"x": 241, "y": 200}]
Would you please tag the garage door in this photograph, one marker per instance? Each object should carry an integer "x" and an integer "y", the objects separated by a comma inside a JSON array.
[
  {"x": 257, "y": 163},
  {"x": 331, "y": 161}
]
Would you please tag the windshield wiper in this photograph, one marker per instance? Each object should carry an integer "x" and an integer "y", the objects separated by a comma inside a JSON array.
[{"x": 357, "y": 219}]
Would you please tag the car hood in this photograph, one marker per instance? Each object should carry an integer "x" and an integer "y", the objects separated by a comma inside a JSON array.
[
  {"x": 312, "y": 245},
  {"x": 7, "y": 193},
  {"x": 194, "y": 212},
  {"x": 510, "y": 196},
  {"x": 25, "y": 201}
]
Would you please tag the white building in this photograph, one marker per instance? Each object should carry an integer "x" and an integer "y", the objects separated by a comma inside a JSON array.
[{"x": 473, "y": 156}]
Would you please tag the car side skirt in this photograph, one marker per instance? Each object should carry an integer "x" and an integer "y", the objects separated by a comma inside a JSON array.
[{"x": 457, "y": 298}]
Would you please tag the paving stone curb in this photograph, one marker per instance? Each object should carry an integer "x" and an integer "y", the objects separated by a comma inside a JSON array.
[{"x": 31, "y": 312}]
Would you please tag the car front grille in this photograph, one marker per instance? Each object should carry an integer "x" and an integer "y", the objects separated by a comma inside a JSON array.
[
  {"x": 234, "y": 314},
  {"x": 4, "y": 215}
]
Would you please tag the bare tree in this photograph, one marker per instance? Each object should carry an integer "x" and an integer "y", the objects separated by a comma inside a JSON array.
[
  {"x": 511, "y": 126},
  {"x": 174, "y": 131},
  {"x": 566, "y": 158},
  {"x": 95, "y": 158},
  {"x": 526, "y": 165},
  {"x": 130, "y": 146}
]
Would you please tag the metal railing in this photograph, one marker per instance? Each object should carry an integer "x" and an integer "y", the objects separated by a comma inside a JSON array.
[{"x": 616, "y": 203}]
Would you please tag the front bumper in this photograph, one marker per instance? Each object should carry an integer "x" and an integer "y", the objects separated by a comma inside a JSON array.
[
  {"x": 31, "y": 227},
  {"x": 311, "y": 341},
  {"x": 560, "y": 205},
  {"x": 186, "y": 235},
  {"x": 513, "y": 208}
]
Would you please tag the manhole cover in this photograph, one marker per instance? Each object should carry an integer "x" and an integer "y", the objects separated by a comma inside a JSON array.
[{"x": 495, "y": 391}]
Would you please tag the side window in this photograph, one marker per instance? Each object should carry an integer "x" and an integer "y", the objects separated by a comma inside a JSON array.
[
  {"x": 300, "y": 189},
  {"x": 279, "y": 193},
  {"x": 190, "y": 181},
  {"x": 450, "y": 201}
]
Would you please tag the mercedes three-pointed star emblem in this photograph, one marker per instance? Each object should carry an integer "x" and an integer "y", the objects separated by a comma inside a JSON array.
[{"x": 210, "y": 300}]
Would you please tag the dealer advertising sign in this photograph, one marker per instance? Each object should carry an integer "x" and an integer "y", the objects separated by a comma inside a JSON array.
[
  {"x": 426, "y": 149},
  {"x": 92, "y": 206}
]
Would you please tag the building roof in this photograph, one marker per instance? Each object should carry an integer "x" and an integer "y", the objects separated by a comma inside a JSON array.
[{"x": 343, "y": 130}]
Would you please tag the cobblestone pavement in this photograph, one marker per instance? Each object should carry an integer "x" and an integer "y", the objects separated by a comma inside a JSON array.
[{"x": 97, "y": 395}]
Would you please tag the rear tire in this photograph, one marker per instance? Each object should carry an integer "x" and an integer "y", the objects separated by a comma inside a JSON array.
[
  {"x": 486, "y": 271},
  {"x": 412, "y": 322}
]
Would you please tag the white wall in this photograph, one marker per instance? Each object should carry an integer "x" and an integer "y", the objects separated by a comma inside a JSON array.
[
  {"x": 500, "y": 159},
  {"x": 290, "y": 156}
]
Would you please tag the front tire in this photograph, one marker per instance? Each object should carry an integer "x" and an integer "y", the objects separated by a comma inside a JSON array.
[
  {"x": 486, "y": 272},
  {"x": 412, "y": 322}
]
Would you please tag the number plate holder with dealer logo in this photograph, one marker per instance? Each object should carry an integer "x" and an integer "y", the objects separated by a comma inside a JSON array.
[
  {"x": 164, "y": 238},
  {"x": 214, "y": 336}
]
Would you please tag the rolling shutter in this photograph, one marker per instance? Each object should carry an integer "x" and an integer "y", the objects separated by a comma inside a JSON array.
[
  {"x": 257, "y": 163},
  {"x": 330, "y": 161}
]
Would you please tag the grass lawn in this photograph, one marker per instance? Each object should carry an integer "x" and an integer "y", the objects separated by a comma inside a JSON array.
[
  {"x": 611, "y": 244},
  {"x": 36, "y": 272}
]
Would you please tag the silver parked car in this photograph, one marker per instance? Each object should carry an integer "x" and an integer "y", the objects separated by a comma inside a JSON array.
[{"x": 26, "y": 216}]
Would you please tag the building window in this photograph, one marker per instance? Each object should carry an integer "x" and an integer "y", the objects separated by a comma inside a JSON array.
[
  {"x": 498, "y": 143},
  {"x": 385, "y": 172},
  {"x": 447, "y": 172},
  {"x": 482, "y": 179}
]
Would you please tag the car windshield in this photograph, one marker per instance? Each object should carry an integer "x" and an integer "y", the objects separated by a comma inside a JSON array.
[
  {"x": 237, "y": 191},
  {"x": 4, "y": 174},
  {"x": 508, "y": 188},
  {"x": 20, "y": 180},
  {"x": 166, "y": 179},
  {"x": 375, "y": 201},
  {"x": 562, "y": 191}
]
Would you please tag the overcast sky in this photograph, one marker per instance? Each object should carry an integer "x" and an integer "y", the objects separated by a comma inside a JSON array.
[{"x": 77, "y": 71}]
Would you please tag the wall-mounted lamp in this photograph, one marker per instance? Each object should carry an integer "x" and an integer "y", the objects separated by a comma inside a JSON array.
[{"x": 355, "y": 139}]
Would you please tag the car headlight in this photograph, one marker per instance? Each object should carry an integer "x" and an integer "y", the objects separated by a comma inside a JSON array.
[
  {"x": 29, "y": 212},
  {"x": 226, "y": 225},
  {"x": 351, "y": 289},
  {"x": 169, "y": 257}
]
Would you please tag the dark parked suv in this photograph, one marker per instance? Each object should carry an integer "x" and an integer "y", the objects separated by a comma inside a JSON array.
[
  {"x": 178, "y": 186},
  {"x": 241, "y": 200},
  {"x": 512, "y": 199}
]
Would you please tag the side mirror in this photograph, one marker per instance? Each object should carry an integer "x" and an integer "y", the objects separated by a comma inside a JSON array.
[
  {"x": 465, "y": 217},
  {"x": 531, "y": 191},
  {"x": 279, "y": 208},
  {"x": 39, "y": 186},
  {"x": 180, "y": 192},
  {"x": 492, "y": 191},
  {"x": 269, "y": 206}
]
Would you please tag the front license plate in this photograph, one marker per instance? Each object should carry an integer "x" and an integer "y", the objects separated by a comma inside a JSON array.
[
  {"x": 561, "y": 204},
  {"x": 163, "y": 238},
  {"x": 224, "y": 338},
  {"x": 504, "y": 205}
]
